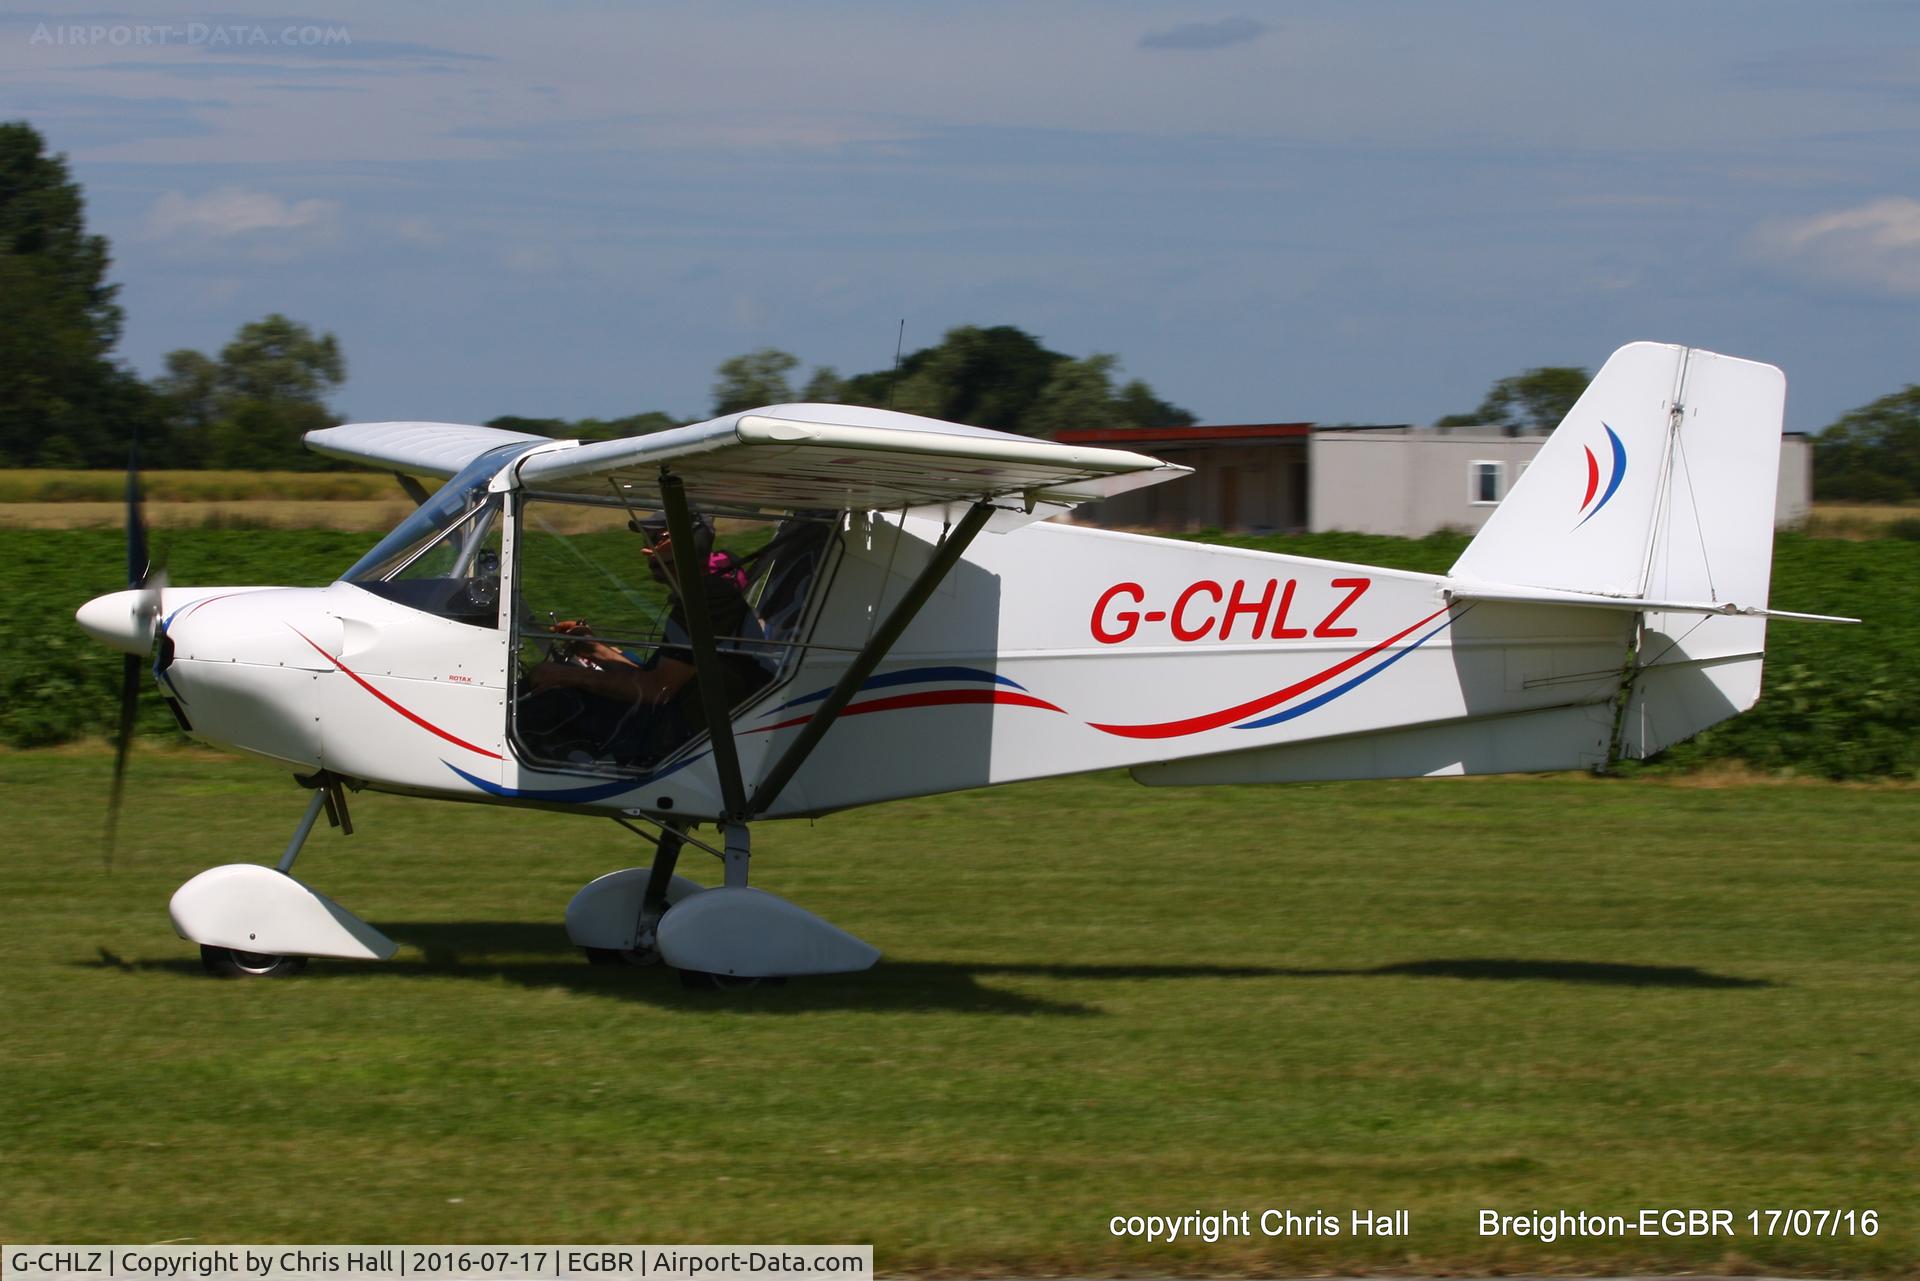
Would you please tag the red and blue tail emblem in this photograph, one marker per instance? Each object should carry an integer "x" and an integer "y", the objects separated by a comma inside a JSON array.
[{"x": 1619, "y": 473}]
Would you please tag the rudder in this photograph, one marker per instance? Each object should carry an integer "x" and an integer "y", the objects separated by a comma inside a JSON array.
[{"x": 1660, "y": 484}]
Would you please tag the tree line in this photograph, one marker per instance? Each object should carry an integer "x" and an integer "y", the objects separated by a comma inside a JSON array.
[
  {"x": 66, "y": 401},
  {"x": 1871, "y": 455},
  {"x": 999, "y": 377}
]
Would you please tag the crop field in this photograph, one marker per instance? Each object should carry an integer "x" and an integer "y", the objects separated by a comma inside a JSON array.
[
  {"x": 1863, "y": 520},
  {"x": 1839, "y": 702},
  {"x": 1097, "y": 999},
  {"x": 375, "y": 516},
  {"x": 53, "y": 485}
]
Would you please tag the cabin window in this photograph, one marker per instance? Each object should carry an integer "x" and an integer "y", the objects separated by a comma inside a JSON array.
[
  {"x": 605, "y": 677},
  {"x": 1485, "y": 482},
  {"x": 444, "y": 558}
]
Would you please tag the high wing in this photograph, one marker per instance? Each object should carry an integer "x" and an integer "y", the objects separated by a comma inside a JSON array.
[
  {"x": 418, "y": 449},
  {"x": 845, "y": 457}
]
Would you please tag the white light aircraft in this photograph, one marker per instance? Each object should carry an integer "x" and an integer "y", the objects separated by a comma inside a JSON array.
[{"x": 886, "y": 613}]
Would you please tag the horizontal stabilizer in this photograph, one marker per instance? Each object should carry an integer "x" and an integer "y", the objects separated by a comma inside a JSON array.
[{"x": 1591, "y": 600}]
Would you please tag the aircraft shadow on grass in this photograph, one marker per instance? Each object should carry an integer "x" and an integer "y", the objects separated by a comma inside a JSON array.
[{"x": 538, "y": 955}]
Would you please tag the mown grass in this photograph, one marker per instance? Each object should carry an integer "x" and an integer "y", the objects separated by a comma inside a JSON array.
[{"x": 1097, "y": 999}]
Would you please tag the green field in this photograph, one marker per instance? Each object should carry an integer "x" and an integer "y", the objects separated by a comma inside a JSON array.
[
  {"x": 1839, "y": 702},
  {"x": 1097, "y": 999}
]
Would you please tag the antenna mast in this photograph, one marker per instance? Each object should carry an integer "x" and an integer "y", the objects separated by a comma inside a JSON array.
[{"x": 894, "y": 377}]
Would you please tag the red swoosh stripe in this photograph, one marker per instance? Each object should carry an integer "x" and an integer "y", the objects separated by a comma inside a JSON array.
[
  {"x": 422, "y": 722},
  {"x": 931, "y": 698},
  {"x": 1214, "y": 720},
  {"x": 1593, "y": 479}
]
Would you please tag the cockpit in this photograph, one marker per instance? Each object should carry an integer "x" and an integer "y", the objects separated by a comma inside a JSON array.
[{"x": 585, "y": 589}]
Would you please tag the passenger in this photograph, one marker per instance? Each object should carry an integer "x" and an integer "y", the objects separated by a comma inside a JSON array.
[{"x": 635, "y": 712}]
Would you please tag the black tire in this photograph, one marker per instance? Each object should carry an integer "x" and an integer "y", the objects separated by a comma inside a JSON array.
[
  {"x": 702, "y": 981},
  {"x": 231, "y": 963}
]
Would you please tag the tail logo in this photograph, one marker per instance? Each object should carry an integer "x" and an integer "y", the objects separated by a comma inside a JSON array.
[{"x": 1619, "y": 473}]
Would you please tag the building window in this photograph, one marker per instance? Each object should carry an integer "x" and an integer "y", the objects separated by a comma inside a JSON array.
[{"x": 1485, "y": 482}]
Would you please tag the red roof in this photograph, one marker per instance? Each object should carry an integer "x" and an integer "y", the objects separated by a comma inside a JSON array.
[{"x": 1139, "y": 436}]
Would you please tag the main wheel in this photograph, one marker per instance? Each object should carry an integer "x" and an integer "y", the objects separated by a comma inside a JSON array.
[
  {"x": 231, "y": 963},
  {"x": 703, "y": 981}
]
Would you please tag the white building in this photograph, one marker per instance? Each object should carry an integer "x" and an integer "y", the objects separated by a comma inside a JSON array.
[{"x": 1412, "y": 481}]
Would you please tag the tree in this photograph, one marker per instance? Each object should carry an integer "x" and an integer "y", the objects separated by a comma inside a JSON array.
[
  {"x": 1137, "y": 406},
  {"x": 558, "y": 428},
  {"x": 63, "y": 400},
  {"x": 1079, "y": 394},
  {"x": 588, "y": 428},
  {"x": 983, "y": 377},
  {"x": 251, "y": 408},
  {"x": 619, "y": 428},
  {"x": 755, "y": 379},
  {"x": 189, "y": 396},
  {"x": 1533, "y": 401},
  {"x": 825, "y": 387},
  {"x": 1000, "y": 377},
  {"x": 1873, "y": 453}
]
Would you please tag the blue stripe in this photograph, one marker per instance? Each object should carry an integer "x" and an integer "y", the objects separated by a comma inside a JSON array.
[
  {"x": 911, "y": 676},
  {"x": 1619, "y": 474},
  {"x": 1323, "y": 699},
  {"x": 592, "y": 792}
]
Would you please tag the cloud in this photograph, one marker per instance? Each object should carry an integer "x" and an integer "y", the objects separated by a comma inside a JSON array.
[
  {"x": 259, "y": 220},
  {"x": 1875, "y": 245},
  {"x": 1205, "y": 35}
]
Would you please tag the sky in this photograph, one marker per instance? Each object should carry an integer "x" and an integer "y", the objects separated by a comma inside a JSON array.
[{"x": 1352, "y": 211}]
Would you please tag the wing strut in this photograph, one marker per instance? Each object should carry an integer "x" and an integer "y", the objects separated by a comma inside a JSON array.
[
  {"x": 945, "y": 556},
  {"x": 415, "y": 490},
  {"x": 690, "y": 578}
]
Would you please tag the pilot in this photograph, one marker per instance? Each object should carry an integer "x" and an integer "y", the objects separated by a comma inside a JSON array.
[{"x": 636, "y": 712}]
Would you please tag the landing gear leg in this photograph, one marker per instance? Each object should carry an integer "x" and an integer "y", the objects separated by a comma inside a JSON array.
[
  {"x": 653, "y": 905},
  {"x": 259, "y": 922},
  {"x": 736, "y": 859},
  {"x": 303, "y": 830}
]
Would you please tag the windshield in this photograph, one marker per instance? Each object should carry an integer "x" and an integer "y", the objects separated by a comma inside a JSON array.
[{"x": 445, "y": 557}]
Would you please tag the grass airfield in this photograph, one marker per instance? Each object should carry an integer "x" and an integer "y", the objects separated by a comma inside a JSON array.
[{"x": 1097, "y": 999}]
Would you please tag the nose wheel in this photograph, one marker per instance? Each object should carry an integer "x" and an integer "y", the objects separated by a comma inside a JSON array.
[
  {"x": 231, "y": 963},
  {"x": 255, "y": 922}
]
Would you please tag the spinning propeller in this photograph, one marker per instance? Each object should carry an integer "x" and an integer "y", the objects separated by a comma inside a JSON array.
[{"x": 144, "y": 585}]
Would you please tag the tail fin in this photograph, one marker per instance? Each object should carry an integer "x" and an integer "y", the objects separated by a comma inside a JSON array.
[
  {"x": 1658, "y": 488},
  {"x": 1660, "y": 483}
]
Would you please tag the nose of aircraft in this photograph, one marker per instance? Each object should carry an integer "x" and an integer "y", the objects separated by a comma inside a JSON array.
[{"x": 119, "y": 620}]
